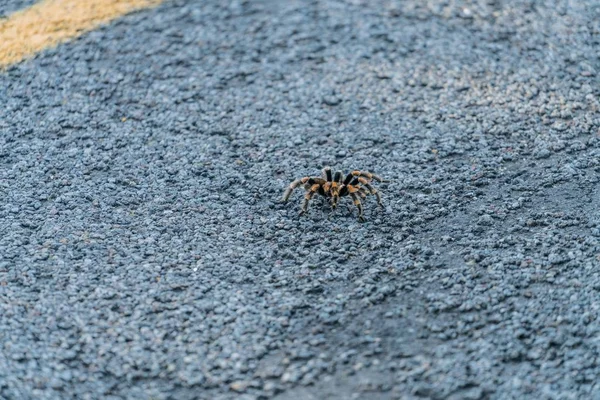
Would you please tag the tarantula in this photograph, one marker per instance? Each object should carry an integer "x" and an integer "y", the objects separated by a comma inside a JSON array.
[{"x": 357, "y": 184}]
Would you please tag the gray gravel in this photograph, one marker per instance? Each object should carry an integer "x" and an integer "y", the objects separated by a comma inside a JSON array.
[
  {"x": 8, "y": 7},
  {"x": 144, "y": 253}
]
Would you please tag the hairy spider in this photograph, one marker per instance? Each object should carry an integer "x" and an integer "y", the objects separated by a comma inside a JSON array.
[{"x": 357, "y": 184}]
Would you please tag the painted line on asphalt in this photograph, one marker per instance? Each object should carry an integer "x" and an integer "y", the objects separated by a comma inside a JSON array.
[{"x": 51, "y": 22}]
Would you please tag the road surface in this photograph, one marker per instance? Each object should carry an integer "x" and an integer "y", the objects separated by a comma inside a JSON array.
[{"x": 144, "y": 253}]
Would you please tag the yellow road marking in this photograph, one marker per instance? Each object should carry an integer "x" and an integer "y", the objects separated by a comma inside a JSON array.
[{"x": 50, "y": 22}]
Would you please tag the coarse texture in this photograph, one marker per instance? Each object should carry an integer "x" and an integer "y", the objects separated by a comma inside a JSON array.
[
  {"x": 50, "y": 22},
  {"x": 8, "y": 7},
  {"x": 144, "y": 253}
]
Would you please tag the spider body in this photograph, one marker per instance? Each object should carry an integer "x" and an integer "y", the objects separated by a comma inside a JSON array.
[{"x": 357, "y": 185}]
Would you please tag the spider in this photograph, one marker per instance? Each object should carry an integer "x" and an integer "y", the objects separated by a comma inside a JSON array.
[{"x": 357, "y": 184}]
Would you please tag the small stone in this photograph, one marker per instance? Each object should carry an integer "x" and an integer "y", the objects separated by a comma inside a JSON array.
[
  {"x": 332, "y": 100},
  {"x": 485, "y": 220},
  {"x": 239, "y": 386}
]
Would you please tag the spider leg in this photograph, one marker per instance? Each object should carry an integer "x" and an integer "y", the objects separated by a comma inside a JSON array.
[
  {"x": 326, "y": 173},
  {"x": 327, "y": 182},
  {"x": 307, "y": 180},
  {"x": 293, "y": 186},
  {"x": 347, "y": 190},
  {"x": 311, "y": 192},
  {"x": 338, "y": 177},
  {"x": 348, "y": 179},
  {"x": 344, "y": 190},
  {"x": 371, "y": 190},
  {"x": 335, "y": 197},
  {"x": 336, "y": 186},
  {"x": 350, "y": 188},
  {"x": 367, "y": 175},
  {"x": 358, "y": 205},
  {"x": 363, "y": 192}
]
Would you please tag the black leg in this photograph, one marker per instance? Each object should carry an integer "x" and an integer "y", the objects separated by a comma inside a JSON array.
[
  {"x": 348, "y": 178},
  {"x": 327, "y": 174},
  {"x": 338, "y": 177}
]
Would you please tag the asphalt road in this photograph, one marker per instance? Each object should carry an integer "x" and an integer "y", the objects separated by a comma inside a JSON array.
[
  {"x": 144, "y": 253},
  {"x": 8, "y": 7}
]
